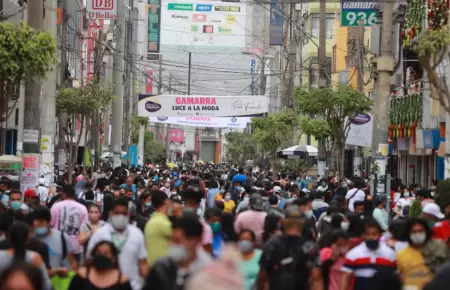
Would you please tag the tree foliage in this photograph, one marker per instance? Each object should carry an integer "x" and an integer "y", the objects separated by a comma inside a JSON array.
[
  {"x": 84, "y": 105},
  {"x": 273, "y": 132},
  {"x": 325, "y": 112},
  {"x": 432, "y": 48},
  {"x": 240, "y": 146},
  {"x": 154, "y": 150}
]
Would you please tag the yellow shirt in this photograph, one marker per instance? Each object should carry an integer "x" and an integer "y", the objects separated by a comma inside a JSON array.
[
  {"x": 413, "y": 271},
  {"x": 228, "y": 206},
  {"x": 158, "y": 232}
]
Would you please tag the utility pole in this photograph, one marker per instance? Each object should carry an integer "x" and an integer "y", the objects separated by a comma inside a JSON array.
[
  {"x": 289, "y": 100},
  {"x": 33, "y": 89},
  {"x": 98, "y": 60},
  {"x": 48, "y": 100},
  {"x": 62, "y": 117},
  {"x": 357, "y": 160},
  {"x": 21, "y": 101},
  {"x": 385, "y": 67},
  {"x": 322, "y": 163},
  {"x": 158, "y": 125},
  {"x": 168, "y": 125},
  {"x": 117, "y": 106}
]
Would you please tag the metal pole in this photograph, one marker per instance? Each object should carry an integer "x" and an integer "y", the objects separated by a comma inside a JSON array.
[
  {"x": 168, "y": 125},
  {"x": 117, "y": 106},
  {"x": 385, "y": 66},
  {"x": 322, "y": 163},
  {"x": 262, "y": 81},
  {"x": 158, "y": 125}
]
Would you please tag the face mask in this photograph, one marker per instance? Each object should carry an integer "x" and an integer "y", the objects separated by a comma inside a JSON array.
[
  {"x": 324, "y": 184},
  {"x": 344, "y": 185},
  {"x": 345, "y": 226},
  {"x": 418, "y": 238},
  {"x": 245, "y": 246},
  {"x": 222, "y": 191},
  {"x": 15, "y": 205},
  {"x": 2, "y": 238},
  {"x": 309, "y": 213},
  {"x": 215, "y": 227},
  {"x": 406, "y": 194},
  {"x": 120, "y": 222},
  {"x": 148, "y": 204},
  {"x": 101, "y": 262},
  {"x": 372, "y": 244},
  {"x": 178, "y": 253},
  {"x": 228, "y": 197},
  {"x": 40, "y": 231},
  {"x": 246, "y": 198},
  {"x": 189, "y": 211},
  {"x": 167, "y": 185}
]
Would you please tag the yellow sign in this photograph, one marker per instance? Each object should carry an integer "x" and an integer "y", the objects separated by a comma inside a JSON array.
[
  {"x": 227, "y": 8},
  {"x": 230, "y": 19}
]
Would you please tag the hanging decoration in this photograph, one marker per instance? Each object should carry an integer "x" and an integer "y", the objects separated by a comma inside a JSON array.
[
  {"x": 437, "y": 13},
  {"x": 404, "y": 116},
  {"x": 415, "y": 13}
]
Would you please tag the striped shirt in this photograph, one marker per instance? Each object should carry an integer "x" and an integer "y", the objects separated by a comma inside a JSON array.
[{"x": 364, "y": 263}]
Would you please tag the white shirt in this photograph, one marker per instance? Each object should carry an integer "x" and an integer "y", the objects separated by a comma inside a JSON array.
[
  {"x": 353, "y": 195},
  {"x": 402, "y": 203},
  {"x": 132, "y": 251},
  {"x": 43, "y": 194}
]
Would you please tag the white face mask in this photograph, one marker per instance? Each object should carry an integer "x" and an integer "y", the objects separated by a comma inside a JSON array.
[
  {"x": 120, "y": 222},
  {"x": 2, "y": 238},
  {"x": 418, "y": 238},
  {"x": 178, "y": 253}
]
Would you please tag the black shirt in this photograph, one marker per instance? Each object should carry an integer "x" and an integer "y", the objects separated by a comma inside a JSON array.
[
  {"x": 288, "y": 261},
  {"x": 33, "y": 245}
]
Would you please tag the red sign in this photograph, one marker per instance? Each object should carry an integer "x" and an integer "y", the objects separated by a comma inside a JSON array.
[
  {"x": 149, "y": 82},
  {"x": 103, "y": 4},
  {"x": 176, "y": 135},
  {"x": 94, "y": 27},
  {"x": 199, "y": 18}
]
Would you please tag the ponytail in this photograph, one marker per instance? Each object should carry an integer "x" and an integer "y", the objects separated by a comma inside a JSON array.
[{"x": 18, "y": 236}]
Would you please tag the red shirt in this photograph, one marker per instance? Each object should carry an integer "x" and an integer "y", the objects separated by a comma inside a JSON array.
[{"x": 441, "y": 230}]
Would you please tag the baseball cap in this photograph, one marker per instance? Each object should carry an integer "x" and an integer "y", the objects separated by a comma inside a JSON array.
[
  {"x": 30, "y": 192},
  {"x": 433, "y": 209},
  {"x": 277, "y": 189},
  {"x": 256, "y": 202}
]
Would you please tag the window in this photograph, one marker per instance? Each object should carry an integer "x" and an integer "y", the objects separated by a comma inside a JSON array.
[
  {"x": 333, "y": 59},
  {"x": 315, "y": 24}
]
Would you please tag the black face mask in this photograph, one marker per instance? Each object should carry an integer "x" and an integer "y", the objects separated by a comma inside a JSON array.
[{"x": 101, "y": 262}]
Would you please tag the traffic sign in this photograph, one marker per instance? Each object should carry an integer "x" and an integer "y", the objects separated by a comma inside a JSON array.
[{"x": 352, "y": 12}]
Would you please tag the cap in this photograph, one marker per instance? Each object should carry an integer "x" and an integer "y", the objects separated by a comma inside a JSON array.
[
  {"x": 433, "y": 209},
  {"x": 30, "y": 192},
  {"x": 293, "y": 212},
  {"x": 256, "y": 202},
  {"x": 277, "y": 189}
]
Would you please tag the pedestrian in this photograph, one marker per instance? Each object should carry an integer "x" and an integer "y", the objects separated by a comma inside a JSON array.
[
  {"x": 250, "y": 256},
  {"x": 253, "y": 218},
  {"x": 22, "y": 276},
  {"x": 102, "y": 271},
  {"x": 91, "y": 225},
  {"x": 128, "y": 240},
  {"x": 213, "y": 217},
  {"x": 333, "y": 258}
]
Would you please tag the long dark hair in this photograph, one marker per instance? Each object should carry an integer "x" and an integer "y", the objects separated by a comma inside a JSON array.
[
  {"x": 18, "y": 236},
  {"x": 32, "y": 273},
  {"x": 114, "y": 252}
]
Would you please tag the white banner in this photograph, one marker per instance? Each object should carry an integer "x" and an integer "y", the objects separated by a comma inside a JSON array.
[
  {"x": 212, "y": 122},
  {"x": 360, "y": 132},
  {"x": 204, "y": 106}
]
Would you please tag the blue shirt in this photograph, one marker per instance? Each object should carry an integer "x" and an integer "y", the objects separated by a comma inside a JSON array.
[
  {"x": 239, "y": 178},
  {"x": 211, "y": 196}
]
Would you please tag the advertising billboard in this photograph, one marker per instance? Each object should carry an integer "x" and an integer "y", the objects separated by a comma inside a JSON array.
[
  {"x": 205, "y": 106},
  {"x": 211, "y": 122},
  {"x": 101, "y": 9},
  {"x": 352, "y": 12},
  {"x": 193, "y": 24},
  {"x": 154, "y": 29},
  {"x": 276, "y": 23}
]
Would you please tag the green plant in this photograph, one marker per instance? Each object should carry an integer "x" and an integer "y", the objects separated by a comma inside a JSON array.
[{"x": 416, "y": 208}]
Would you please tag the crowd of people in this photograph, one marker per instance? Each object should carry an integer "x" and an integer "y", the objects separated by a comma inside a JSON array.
[{"x": 220, "y": 227}]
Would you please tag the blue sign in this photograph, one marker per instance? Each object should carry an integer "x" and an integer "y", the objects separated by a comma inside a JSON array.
[
  {"x": 276, "y": 23},
  {"x": 252, "y": 74},
  {"x": 428, "y": 139},
  {"x": 203, "y": 8},
  {"x": 154, "y": 23}
]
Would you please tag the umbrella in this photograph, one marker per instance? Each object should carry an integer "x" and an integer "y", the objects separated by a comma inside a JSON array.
[{"x": 298, "y": 150}]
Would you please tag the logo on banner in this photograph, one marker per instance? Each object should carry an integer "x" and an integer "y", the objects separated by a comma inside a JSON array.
[
  {"x": 180, "y": 16},
  {"x": 162, "y": 119},
  {"x": 152, "y": 106},
  {"x": 101, "y": 9},
  {"x": 233, "y": 119},
  {"x": 203, "y": 7},
  {"x": 361, "y": 119}
]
